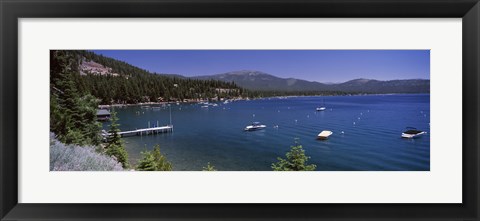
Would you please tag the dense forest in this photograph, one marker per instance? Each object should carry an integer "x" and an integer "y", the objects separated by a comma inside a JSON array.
[{"x": 130, "y": 84}]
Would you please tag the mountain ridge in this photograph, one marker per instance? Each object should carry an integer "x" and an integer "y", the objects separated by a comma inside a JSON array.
[{"x": 258, "y": 80}]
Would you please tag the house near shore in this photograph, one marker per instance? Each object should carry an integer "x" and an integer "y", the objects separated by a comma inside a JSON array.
[{"x": 103, "y": 115}]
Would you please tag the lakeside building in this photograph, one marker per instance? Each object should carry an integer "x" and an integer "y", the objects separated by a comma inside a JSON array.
[{"x": 103, "y": 115}]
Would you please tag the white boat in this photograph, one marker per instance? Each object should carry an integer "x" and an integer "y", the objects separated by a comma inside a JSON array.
[
  {"x": 412, "y": 132},
  {"x": 324, "y": 134},
  {"x": 255, "y": 126},
  {"x": 322, "y": 108},
  {"x": 205, "y": 106}
]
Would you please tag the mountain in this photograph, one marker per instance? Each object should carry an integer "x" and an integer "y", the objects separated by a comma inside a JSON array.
[
  {"x": 256, "y": 80},
  {"x": 392, "y": 86}
]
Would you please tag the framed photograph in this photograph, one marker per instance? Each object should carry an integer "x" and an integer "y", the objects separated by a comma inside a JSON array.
[{"x": 253, "y": 110}]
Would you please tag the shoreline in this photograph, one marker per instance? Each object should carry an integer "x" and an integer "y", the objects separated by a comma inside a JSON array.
[{"x": 104, "y": 106}]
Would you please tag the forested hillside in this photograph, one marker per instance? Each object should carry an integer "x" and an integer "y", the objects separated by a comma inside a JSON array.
[{"x": 120, "y": 82}]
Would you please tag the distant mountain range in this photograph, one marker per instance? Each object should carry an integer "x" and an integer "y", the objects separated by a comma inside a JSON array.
[{"x": 256, "y": 80}]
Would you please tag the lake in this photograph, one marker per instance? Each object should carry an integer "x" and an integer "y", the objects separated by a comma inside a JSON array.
[{"x": 366, "y": 132}]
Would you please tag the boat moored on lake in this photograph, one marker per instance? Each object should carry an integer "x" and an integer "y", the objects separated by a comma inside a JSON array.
[
  {"x": 321, "y": 108},
  {"x": 324, "y": 135},
  {"x": 412, "y": 132},
  {"x": 255, "y": 126}
]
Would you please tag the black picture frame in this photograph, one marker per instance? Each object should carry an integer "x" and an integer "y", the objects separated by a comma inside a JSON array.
[{"x": 12, "y": 10}]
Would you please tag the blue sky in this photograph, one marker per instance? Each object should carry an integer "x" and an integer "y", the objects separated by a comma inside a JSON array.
[{"x": 312, "y": 65}]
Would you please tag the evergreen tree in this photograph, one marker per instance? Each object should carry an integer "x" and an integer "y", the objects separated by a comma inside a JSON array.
[
  {"x": 115, "y": 146},
  {"x": 296, "y": 160},
  {"x": 91, "y": 127},
  {"x": 67, "y": 108},
  {"x": 154, "y": 161}
]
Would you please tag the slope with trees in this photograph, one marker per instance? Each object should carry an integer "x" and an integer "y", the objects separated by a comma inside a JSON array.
[{"x": 130, "y": 85}]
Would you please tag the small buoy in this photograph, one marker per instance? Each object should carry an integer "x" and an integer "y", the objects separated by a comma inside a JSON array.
[
  {"x": 343, "y": 132},
  {"x": 353, "y": 123}
]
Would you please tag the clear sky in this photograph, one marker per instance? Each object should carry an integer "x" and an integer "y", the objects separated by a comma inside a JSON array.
[{"x": 313, "y": 65}]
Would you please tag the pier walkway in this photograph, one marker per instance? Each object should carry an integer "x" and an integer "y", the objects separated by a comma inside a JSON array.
[{"x": 144, "y": 131}]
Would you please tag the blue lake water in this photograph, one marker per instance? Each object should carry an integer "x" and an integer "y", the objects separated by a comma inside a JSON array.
[{"x": 371, "y": 138}]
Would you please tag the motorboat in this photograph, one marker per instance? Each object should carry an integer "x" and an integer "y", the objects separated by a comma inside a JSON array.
[
  {"x": 255, "y": 126},
  {"x": 324, "y": 134},
  {"x": 412, "y": 132},
  {"x": 322, "y": 108}
]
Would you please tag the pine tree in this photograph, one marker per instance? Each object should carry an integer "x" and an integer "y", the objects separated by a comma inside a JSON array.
[
  {"x": 72, "y": 115},
  {"x": 154, "y": 161},
  {"x": 115, "y": 146},
  {"x": 296, "y": 160},
  {"x": 91, "y": 126}
]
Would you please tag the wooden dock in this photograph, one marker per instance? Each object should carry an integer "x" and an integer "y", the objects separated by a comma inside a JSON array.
[{"x": 145, "y": 131}]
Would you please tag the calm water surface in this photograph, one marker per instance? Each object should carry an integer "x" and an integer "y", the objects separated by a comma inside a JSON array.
[{"x": 371, "y": 127}]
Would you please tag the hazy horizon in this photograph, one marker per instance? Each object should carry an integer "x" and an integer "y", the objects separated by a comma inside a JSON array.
[{"x": 325, "y": 66}]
